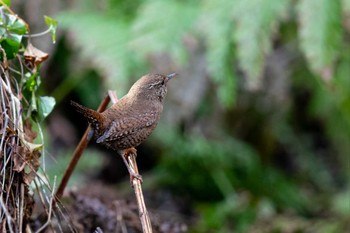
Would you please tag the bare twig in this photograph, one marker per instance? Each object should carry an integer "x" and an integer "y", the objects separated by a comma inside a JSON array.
[
  {"x": 52, "y": 200},
  {"x": 143, "y": 213},
  {"x": 120, "y": 221},
  {"x": 41, "y": 197},
  {"x": 78, "y": 152},
  {"x": 113, "y": 96},
  {"x": 21, "y": 207}
]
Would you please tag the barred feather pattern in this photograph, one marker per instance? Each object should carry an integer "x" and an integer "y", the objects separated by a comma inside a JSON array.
[
  {"x": 128, "y": 122},
  {"x": 93, "y": 117},
  {"x": 129, "y": 131}
]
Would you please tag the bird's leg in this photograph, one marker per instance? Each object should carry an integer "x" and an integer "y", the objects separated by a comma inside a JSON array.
[{"x": 126, "y": 153}]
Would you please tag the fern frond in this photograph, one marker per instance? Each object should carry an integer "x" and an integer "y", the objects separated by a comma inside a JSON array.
[
  {"x": 346, "y": 7},
  {"x": 103, "y": 41},
  {"x": 320, "y": 33},
  {"x": 256, "y": 22},
  {"x": 216, "y": 24},
  {"x": 160, "y": 27}
]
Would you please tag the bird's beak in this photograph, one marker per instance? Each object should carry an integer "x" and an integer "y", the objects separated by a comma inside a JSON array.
[{"x": 169, "y": 76}]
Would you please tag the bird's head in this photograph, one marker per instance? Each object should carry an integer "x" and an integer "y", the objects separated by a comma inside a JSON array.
[{"x": 151, "y": 86}]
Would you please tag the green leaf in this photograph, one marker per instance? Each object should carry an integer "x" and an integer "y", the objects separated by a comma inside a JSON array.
[
  {"x": 32, "y": 82},
  {"x": 16, "y": 26},
  {"x": 346, "y": 7},
  {"x": 52, "y": 24},
  {"x": 11, "y": 31},
  {"x": 6, "y": 2},
  {"x": 256, "y": 22},
  {"x": 11, "y": 45},
  {"x": 46, "y": 105},
  {"x": 2, "y": 31},
  {"x": 104, "y": 43},
  {"x": 216, "y": 25},
  {"x": 161, "y": 26},
  {"x": 320, "y": 34}
]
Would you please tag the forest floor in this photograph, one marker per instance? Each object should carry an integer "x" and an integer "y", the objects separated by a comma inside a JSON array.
[{"x": 100, "y": 207}]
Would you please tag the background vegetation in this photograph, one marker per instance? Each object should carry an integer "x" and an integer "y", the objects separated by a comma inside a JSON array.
[{"x": 255, "y": 134}]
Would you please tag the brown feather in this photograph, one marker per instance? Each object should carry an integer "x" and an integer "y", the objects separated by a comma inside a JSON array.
[
  {"x": 93, "y": 117},
  {"x": 128, "y": 122}
]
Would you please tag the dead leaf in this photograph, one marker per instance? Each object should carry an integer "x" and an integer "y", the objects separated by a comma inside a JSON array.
[
  {"x": 19, "y": 158},
  {"x": 34, "y": 165},
  {"x": 29, "y": 134},
  {"x": 34, "y": 56},
  {"x": 27, "y": 161},
  {"x": 29, "y": 177}
]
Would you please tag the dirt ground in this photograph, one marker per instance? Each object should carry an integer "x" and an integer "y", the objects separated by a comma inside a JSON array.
[{"x": 100, "y": 207}]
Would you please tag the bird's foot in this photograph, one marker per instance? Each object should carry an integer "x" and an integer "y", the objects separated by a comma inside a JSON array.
[
  {"x": 132, "y": 172},
  {"x": 134, "y": 175},
  {"x": 130, "y": 152}
]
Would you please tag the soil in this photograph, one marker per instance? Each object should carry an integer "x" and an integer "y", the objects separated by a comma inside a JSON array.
[{"x": 100, "y": 207}]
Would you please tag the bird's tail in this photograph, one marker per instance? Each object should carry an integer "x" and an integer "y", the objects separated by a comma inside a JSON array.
[{"x": 93, "y": 117}]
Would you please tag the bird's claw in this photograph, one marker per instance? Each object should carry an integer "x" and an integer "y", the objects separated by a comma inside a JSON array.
[{"x": 133, "y": 176}]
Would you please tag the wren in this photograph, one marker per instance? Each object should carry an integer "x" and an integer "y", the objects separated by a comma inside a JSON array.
[{"x": 128, "y": 122}]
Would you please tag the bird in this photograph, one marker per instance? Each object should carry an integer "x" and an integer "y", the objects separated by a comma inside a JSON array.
[{"x": 132, "y": 119}]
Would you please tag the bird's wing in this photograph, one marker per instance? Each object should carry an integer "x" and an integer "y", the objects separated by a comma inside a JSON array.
[{"x": 127, "y": 125}]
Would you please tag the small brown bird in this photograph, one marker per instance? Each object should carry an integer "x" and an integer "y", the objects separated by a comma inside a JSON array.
[{"x": 128, "y": 122}]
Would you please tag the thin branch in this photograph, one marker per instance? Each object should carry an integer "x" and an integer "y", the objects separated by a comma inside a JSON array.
[
  {"x": 120, "y": 221},
  {"x": 143, "y": 213},
  {"x": 43, "y": 227},
  {"x": 7, "y": 214},
  {"x": 21, "y": 207},
  {"x": 38, "y": 34},
  {"x": 113, "y": 96},
  {"x": 77, "y": 153}
]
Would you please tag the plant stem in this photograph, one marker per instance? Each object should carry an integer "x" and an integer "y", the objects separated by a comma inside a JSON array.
[
  {"x": 78, "y": 152},
  {"x": 143, "y": 213}
]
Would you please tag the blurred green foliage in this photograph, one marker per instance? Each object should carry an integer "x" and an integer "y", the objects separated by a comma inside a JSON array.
[
  {"x": 88, "y": 165},
  {"x": 293, "y": 158}
]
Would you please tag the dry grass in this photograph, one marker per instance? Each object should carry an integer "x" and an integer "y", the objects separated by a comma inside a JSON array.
[{"x": 21, "y": 174}]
